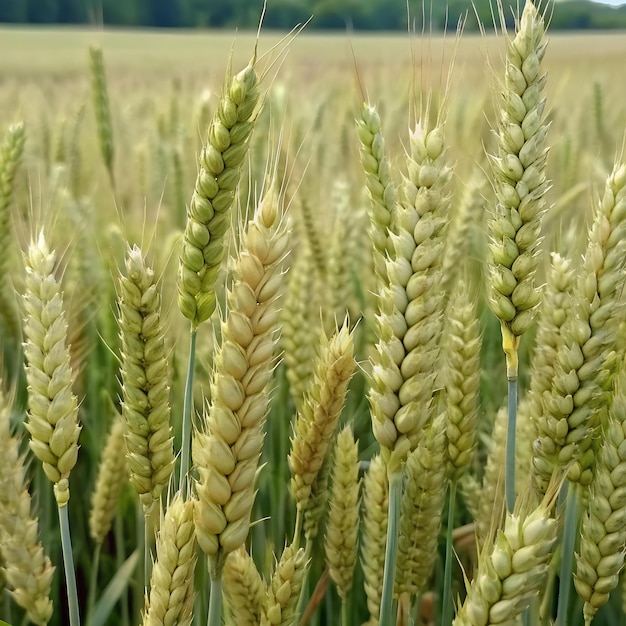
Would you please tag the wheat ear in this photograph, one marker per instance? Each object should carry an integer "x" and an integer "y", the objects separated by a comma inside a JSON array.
[
  {"x": 100, "y": 96},
  {"x": 380, "y": 187},
  {"x": 112, "y": 475},
  {"x": 301, "y": 324},
  {"x": 410, "y": 305},
  {"x": 281, "y": 602},
  {"x": 53, "y": 409},
  {"x": 171, "y": 595},
  {"x": 244, "y": 587},
  {"x": 27, "y": 570},
  {"x": 603, "y": 530},
  {"x": 422, "y": 506},
  {"x": 520, "y": 182},
  {"x": 461, "y": 377},
  {"x": 373, "y": 541},
  {"x": 208, "y": 213},
  {"x": 145, "y": 381},
  {"x": 227, "y": 448},
  {"x": 342, "y": 530},
  {"x": 578, "y": 394},
  {"x": 11, "y": 152},
  {"x": 316, "y": 422},
  {"x": 512, "y": 572},
  {"x": 552, "y": 316}
]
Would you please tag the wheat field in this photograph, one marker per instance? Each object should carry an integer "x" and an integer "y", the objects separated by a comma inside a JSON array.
[{"x": 312, "y": 329}]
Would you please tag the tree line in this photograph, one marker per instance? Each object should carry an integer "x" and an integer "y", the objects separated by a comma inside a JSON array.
[{"x": 284, "y": 14}]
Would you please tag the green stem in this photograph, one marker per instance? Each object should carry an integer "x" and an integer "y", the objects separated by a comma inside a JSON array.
[
  {"x": 567, "y": 555},
  {"x": 345, "y": 613},
  {"x": 510, "y": 444},
  {"x": 93, "y": 581},
  {"x": 140, "y": 533},
  {"x": 185, "y": 448},
  {"x": 120, "y": 557},
  {"x": 68, "y": 564},
  {"x": 215, "y": 603},
  {"x": 297, "y": 532},
  {"x": 387, "y": 618},
  {"x": 304, "y": 589},
  {"x": 446, "y": 611},
  {"x": 147, "y": 556}
]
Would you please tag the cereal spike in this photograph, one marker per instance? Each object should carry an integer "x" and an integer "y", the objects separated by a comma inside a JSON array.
[
  {"x": 208, "y": 214},
  {"x": 318, "y": 500},
  {"x": 603, "y": 530},
  {"x": 102, "y": 108},
  {"x": 28, "y": 571},
  {"x": 422, "y": 506},
  {"x": 374, "y": 539},
  {"x": 244, "y": 588},
  {"x": 171, "y": 595},
  {"x": 461, "y": 377},
  {"x": 281, "y": 602},
  {"x": 512, "y": 572},
  {"x": 301, "y": 324},
  {"x": 411, "y": 303},
  {"x": 317, "y": 421},
  {"x": 342, "y": 530},
  {"x": 380, "y": 187},
  {"x": 11, "y": 152},
  {"x": 552, "y": 316},
  {"x": 112, "y": 474},
  {"x": 520, "y": 181},
  {"x": 578, "y": 396},
  {"x": 53, "y": 408},
  {"x": 145, "y": 381},
  {"x": 465, "y": 216},
  {"x": 227, "y": 449}
]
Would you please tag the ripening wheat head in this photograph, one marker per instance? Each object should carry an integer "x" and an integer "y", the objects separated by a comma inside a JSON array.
[
  {"x": 53, "y": 408},
  {"x": 208, "y": 213},
  {"x": 27, "y": 569},
  {"x": 227, "y": 447},
  {"x": 520, "y": 182},
  {"x": 411, "y": 301},
  {"x": 578, "y": 395},
  {"x": 603, "y": 530},
  {"x": 512, "y": 571},
  {"x": 171, "y": 596},
  {"x": 317, "y": 420},
  {"x": 145, "y": 381}
]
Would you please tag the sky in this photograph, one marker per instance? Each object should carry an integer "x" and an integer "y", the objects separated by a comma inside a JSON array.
[{"x": 612, "y": 2}]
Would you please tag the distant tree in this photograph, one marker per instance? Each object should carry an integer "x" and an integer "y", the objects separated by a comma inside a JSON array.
[
  {"x": 42, "y": 11},
  {"x": 12, "y": 11},
  {"x": 72, "y": 12},
  {"x": 165, "y": 13}
]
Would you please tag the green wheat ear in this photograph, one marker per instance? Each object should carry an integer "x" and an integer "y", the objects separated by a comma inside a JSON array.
[{"x": 102, "y": 109}]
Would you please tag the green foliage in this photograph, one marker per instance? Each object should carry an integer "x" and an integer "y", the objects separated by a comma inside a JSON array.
[{"x": 284, "y": 14}]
